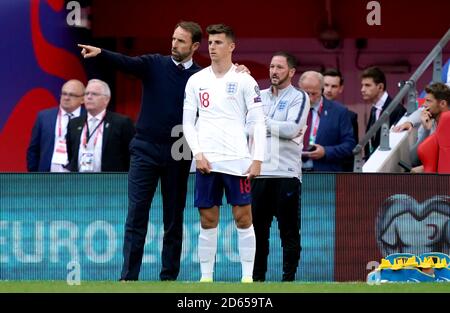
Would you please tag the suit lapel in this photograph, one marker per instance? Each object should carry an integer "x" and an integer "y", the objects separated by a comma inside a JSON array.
[
  {"x": 50, "y": 124},
  {"x": 386, "y": 104},
  {"x": 76, "y": 137},
  {"x": 323, "y": 120},
  {"x": 106, "y": 131},
  {"x": 52, "y": 120}
]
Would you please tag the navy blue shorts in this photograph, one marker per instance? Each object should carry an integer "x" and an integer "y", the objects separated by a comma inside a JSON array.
[{"x": 209, "y": 190}]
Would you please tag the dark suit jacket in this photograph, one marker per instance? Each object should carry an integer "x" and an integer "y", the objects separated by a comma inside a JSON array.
[
  {"x": 335, "y": 134},
  {"x": 118, "y": 130},
  {"x": 349, "y": 161},
  {"x": 42, "y": 143},
  {"x": 395, "y": 116}
]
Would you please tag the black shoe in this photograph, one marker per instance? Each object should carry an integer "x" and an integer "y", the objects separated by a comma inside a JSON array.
[
  {"x": 288, "y": 277},
  {"x": 259, "y": 278},
  {"x": 123, "y": 280}
]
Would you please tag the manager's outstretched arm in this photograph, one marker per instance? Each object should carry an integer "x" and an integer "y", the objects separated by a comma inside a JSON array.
[{"x": 89, "y": 51}]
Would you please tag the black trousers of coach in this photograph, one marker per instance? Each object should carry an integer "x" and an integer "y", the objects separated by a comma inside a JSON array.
[
  {"x": 280, "y": 198},
  {"x": 151, "y": 162}
]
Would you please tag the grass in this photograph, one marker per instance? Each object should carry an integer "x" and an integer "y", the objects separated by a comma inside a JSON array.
[{"x": 217, "y": 287}]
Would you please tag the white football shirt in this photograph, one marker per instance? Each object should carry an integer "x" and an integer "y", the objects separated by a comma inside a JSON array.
[{"x": 226, "y": 106}]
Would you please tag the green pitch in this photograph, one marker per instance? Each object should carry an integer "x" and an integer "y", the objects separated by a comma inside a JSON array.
[{"x": 218, "y": 287}]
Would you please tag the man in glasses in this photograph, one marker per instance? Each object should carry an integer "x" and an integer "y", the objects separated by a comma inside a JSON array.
[
  {"x": 98, "y": 141},
  {"x": 47, "y": 149}
]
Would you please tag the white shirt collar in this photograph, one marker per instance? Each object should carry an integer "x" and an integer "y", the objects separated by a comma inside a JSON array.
[
  {"x": 99, "y": 116},
  {"x": 186, "y": 65},
  {"x": 75, "y": 113},
  {"x": 315, "y": 106},
  {"x": 379, "y": 104}
]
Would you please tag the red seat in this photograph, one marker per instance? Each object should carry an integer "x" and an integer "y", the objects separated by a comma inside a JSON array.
[{"x": 434, "y": 151}]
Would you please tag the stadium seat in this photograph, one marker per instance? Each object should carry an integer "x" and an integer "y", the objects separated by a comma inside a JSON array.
[{"x": 434, "y": 151}]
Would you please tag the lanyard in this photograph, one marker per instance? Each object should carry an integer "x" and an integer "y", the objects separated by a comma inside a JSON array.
[
  {"x": 88, "y": 135},
  {"x": 59, "y": 119},
  {"x": 59, "y": 123},
  {"x": 313, "y": 134}
]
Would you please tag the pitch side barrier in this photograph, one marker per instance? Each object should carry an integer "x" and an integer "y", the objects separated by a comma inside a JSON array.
[{"x": 54, "y": 226}]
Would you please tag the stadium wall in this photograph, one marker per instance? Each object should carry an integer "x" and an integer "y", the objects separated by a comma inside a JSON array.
[{"x": 49, "y": 221}]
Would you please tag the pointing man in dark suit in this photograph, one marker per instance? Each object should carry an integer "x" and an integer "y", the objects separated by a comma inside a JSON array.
[
  {"x": 98, "y": 141},
  {"x": 373, "y": 91},
  {"x": 328, "y": 139},
  {"x": 47, "y": 149}
]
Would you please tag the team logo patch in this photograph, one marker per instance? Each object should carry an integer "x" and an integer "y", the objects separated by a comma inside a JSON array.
[
  {"x": 257, "y": 99},
  {"x": 282, "y": 105},
  {"x": 257, "y": 90},
  {"x": 231, "y": 88}
]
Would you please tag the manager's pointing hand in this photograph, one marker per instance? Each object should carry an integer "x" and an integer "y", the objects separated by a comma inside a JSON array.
[{"x": 89, "y": 51}]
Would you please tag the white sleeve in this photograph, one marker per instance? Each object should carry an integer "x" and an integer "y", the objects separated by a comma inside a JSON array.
[
  {"x": 189, "y": 116},
  {"x": 257, "y": 128},
  {"x": 295, "y": 121},
  {"x": 255, "y": 120},
  {"x": 414, "y": 118}
]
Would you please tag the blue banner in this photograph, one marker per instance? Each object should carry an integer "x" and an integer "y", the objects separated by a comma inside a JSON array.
[{"x": 51, "y": 224}]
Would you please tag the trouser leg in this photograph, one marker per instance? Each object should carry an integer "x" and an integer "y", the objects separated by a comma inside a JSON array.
[
  {"x": 289, "y": 226},
  {"x": 174, "y": 188},
  {"x": 142, "y": 181},
  {"x": 262, "y": 218}
]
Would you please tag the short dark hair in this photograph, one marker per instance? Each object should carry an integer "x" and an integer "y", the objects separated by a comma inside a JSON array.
[
  {"x": 290, "y": 58},
  {"x": 193, "y": 28},
  {"x": 334, "y": 72},
  {"x": 221, "y": 29},
  {"x": 376, "y": 74},
  {"x": 439, "y": 90}
]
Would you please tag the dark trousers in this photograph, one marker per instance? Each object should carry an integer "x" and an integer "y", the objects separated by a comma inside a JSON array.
[
  {"x": 279, "y": 197},
  {"x": 149, "y": 163}
]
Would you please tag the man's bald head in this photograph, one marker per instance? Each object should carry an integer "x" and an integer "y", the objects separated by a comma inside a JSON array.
[{"x": 72, "y": 95}]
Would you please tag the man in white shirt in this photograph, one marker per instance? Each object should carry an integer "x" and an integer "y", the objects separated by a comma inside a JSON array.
[
  {"x": 373, "y": 91},
  {"x": 99, "y": 141},
  {"x": 47, "y": 149},
  {"x": 228, "y": 104}
]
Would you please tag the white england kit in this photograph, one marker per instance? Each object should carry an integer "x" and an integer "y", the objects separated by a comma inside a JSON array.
[{"x": 227, "y": 107}]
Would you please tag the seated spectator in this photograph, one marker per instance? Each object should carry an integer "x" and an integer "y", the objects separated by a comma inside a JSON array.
[
  {"x": 437, "y": 99},
  {"x": 414, "y": 120},
  {"x": 47, "y": 149},
  {"x": 434, "y": 151},
  {"x": 329, "y": 138},
  {"x": 99, "y": 141}
]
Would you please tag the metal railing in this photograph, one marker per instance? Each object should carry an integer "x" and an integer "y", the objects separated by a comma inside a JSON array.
[{"x": 409, "y": 89}]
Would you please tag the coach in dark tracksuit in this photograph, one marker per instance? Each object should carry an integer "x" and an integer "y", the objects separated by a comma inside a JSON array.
[{"x": 163, "y": 80}]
